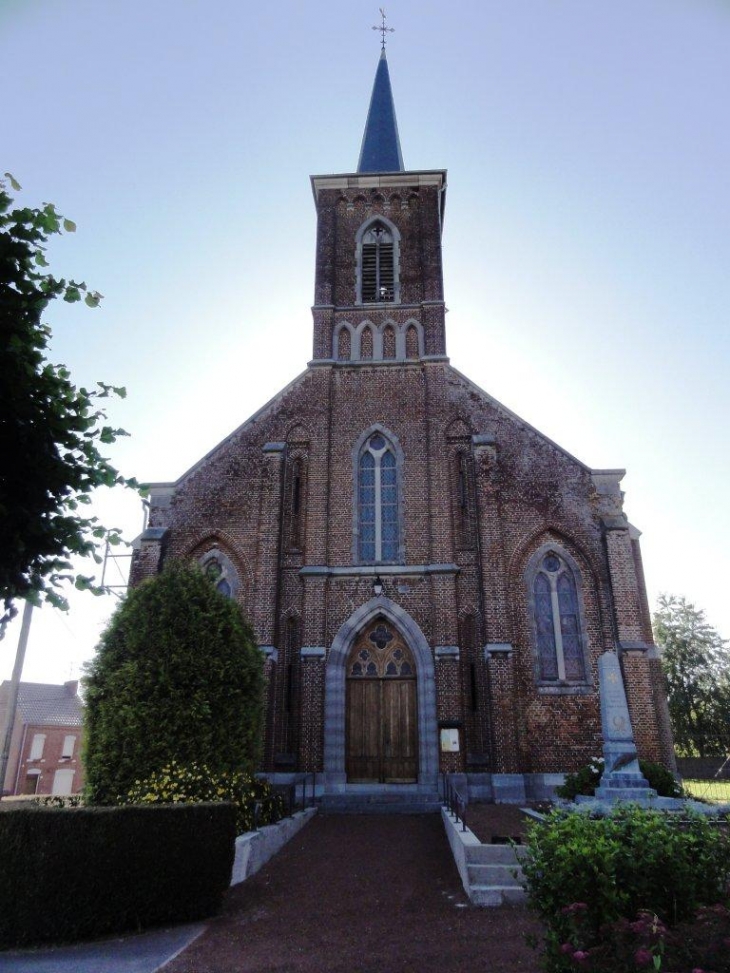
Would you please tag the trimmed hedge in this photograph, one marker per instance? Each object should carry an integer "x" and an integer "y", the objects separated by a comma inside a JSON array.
[{"x": 86, "y": 872}]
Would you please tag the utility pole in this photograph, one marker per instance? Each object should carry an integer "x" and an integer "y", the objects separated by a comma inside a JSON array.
[{"x": 13, "y": 693}]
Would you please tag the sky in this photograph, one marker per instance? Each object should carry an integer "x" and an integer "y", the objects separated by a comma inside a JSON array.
[{"x": 586, "y": 242}]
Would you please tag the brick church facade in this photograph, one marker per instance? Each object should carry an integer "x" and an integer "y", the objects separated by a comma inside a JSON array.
[{"x": 431, "y": 580}]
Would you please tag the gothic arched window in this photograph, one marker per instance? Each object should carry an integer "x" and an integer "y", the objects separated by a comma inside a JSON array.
[
  {"x": 377, "y": 263},
  {"x": 377, "y": 496},
  {"x": 220, "y": 572},
  {"x": 560, "y": 655}
]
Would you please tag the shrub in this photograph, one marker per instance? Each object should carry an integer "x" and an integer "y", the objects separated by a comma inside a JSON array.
[
  {"x": 177, "y": 674},
  {"x": 586, "y": 780},
  {"x": 610, "y": 868},
  {"x": 88, "y": 872},
  {"x": 178, "y": 784}
]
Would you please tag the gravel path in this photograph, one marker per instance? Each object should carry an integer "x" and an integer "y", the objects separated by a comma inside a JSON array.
[{"x": 361, "y": 894}]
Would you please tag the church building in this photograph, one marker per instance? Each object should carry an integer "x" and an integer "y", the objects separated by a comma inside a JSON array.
[{"x": 430, "y": 579}]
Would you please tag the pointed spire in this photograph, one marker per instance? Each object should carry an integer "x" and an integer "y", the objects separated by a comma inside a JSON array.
[{"x": 380, "y": 150}]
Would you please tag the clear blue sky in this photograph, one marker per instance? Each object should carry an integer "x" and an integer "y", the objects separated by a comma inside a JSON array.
[{"x": 586, "y": 239}]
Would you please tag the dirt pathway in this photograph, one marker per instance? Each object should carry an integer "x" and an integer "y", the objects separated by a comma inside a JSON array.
[{"x": 361, "y": 894}]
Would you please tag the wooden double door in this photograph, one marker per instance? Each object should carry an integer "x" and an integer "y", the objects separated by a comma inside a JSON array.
[{"x": 382, "y": 717}]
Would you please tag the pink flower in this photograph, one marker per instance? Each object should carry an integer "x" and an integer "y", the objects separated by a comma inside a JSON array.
[
  {"x": 642, "y": 957},
  {"x": 566, "y": 948},
  {"x": 579, "y": 956}
]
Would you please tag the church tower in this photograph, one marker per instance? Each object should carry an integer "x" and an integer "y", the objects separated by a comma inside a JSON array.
[
  {"x": 431, "y": 580},
  {"x": 379, "y": 282}
]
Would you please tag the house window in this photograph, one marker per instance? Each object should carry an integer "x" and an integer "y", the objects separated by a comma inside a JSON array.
[
  {"x": 68, "y": 746},
  {"x": 560, "y": 655},
  {"x": 36, "y": 747},
  {"x": 30, "y": 784},
  {"x": 377, "y": 501},
  {"x": 377, "y": 263}
]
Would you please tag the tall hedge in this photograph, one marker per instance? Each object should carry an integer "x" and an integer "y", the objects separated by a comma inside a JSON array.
[
  {"x": 86, "y": 872},
  {"x": 177, "y": 675}
]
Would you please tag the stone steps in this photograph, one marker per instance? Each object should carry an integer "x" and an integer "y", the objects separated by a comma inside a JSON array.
[{"x": 380, "y": 803}]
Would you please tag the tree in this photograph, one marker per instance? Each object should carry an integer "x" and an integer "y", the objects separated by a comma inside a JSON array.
[
  {"x": 51, "y": 432},
  {"x": 696, "y": 662},
  {"x": 177, "y": 675}
]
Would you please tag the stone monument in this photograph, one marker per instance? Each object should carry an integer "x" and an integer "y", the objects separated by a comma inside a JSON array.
[{"x": 622, "y": 779}]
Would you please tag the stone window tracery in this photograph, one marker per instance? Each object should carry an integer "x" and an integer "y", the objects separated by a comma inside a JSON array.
[
  {"x": 377, "y": 498},
  {"x": 560, "y": 650}
]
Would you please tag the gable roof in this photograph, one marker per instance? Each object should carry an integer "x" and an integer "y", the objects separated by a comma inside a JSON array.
[{"x": 48, "y": 704}]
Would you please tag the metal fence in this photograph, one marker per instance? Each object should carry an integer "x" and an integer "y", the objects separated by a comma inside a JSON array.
[{"x": 453, "y": 800}]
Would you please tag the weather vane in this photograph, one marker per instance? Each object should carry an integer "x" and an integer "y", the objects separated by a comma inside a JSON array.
[{"x": 383, "y": 29}]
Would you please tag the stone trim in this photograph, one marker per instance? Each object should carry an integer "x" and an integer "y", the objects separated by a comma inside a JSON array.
[
  {"x": 492, "y": 649},
  {"x": 270, "y": 652},
  {"x": 371, "y": 570},
  {"x": 274, "y": 447},
  {"x": 447, "y": 652},
  {"x": 633, "y": 646},
  {"x": 334, "y": 705},
  {"x": 312, "y": 652},
  {"x": 484, "y": 439}
]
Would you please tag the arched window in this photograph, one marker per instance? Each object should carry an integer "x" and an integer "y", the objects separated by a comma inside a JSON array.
[
  {"x": 560, "y": 653},
  {"x": 377, "y": 482},
  {"x": 220, "y": 572},
  {"x": 377, "y": 263}
]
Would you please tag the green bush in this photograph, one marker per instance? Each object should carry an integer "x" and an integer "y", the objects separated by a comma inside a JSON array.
[
  {"x": 586, "y": 780},
  {"x": 177, "y": 674},
  {"x": 611, "y": 868},
  {"x": 87, "y": 872},
  {"x": 177, "y": 784}
]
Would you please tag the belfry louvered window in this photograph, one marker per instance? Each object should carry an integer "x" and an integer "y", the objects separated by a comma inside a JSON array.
[
  {"x": 377, "y": 501},
  {"x": 377, "y": 265},
  {"x": 557, "y": 622}
]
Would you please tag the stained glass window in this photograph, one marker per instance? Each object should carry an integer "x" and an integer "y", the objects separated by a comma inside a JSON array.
[
  {"x": 386, "y": 653},
  {"x": 557, "y": 622},
  {"x": 220, "y": 572},
  {"x": 378, "y": 501}
]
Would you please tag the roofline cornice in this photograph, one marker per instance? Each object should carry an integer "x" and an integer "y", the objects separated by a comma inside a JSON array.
[{"x": 377, "y": 180}]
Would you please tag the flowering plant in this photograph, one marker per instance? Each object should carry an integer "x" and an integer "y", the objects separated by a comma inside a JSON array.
[{"x": 256, "y": 801}]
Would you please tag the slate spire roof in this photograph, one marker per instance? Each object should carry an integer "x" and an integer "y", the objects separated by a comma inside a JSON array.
[{"x": 380, "y": 150}]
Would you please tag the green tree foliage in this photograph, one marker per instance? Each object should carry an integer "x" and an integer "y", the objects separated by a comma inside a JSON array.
[
  {"x": 51, "y": 432},
  {"x": 696, "y": 661},
  {"x": 607, "y": 869},
  {"x": 177, "y": 676}
]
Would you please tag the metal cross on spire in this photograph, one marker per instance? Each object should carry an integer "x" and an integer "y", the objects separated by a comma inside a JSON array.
[{"x": 383, "y": 29}]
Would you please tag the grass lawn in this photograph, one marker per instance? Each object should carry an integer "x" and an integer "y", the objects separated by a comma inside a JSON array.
[{"x": 717, "y": 791}]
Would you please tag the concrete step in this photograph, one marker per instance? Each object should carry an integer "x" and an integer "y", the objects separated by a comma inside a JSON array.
[
  {"x": 494, "y": 854},
  {"x": 383, "y": 803},
  {"x": 495, "y": 875},
  {"x": 495, "y": 895}
]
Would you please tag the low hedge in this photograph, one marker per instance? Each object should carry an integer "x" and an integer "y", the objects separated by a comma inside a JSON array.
[{"x": 70, "y": 874}]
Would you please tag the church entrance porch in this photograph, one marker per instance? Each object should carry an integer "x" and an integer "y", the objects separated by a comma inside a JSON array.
[{"x": 381, "y": 707}]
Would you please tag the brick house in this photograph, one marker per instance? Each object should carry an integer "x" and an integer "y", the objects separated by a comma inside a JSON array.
[
  {"x": 431, "y": 579},
  {"x": 46, "y": 740}
]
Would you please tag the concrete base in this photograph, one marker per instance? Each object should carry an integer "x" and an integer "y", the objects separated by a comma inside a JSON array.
[
  {"x": 491, "y": 874},
  {"x": 255, "y": 848}
]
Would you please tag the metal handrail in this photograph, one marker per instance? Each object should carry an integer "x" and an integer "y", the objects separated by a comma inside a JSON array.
[{"x": 454, "y": 801}]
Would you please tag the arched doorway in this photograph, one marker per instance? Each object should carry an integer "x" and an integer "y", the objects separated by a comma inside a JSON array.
[{"x": 381, "y": 708}]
